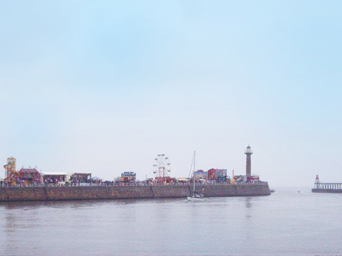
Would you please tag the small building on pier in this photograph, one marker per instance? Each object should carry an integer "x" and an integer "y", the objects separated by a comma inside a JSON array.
[
  {"x": 54, "y": 178},
  {"x": 80, "y": 178},
  {"x": 29, "y": 176},
  {"x": 217, "y": 174},
  {"x": 128, "y": 177},
  {"x": 200, "y": 174}
]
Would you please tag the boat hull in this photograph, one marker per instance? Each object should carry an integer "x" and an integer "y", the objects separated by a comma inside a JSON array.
[{"x": 195, "y": 199}]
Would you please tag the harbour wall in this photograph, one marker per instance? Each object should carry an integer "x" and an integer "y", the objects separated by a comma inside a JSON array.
[
  {"x": 8, "y": 194},
  {"x": 314, "y": 190}
]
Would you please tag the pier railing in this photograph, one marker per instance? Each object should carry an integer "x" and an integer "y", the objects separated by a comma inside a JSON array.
[
  {"x": 104, "y": 184},
  {"x": 331, "y": 186}
]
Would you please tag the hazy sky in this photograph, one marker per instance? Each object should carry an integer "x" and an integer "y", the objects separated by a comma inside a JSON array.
[{"x": 106, "y": 86}]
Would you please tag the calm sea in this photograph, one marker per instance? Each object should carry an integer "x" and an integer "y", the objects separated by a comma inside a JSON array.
[{"x": 292, "y": 221}]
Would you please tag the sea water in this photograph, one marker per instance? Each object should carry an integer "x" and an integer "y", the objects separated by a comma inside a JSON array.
[{"x": 291, "y": 221}]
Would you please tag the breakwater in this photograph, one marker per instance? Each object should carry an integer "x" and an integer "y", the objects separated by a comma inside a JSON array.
[
  {"x": 8, "y": 194},
  {"x": 327, "y": 188}
]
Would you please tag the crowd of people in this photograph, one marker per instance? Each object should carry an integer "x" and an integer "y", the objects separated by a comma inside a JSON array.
[{"x": 57, "y": 182}]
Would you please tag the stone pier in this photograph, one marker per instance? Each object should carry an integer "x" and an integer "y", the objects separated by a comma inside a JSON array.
[{"x": 125, "y": 192}]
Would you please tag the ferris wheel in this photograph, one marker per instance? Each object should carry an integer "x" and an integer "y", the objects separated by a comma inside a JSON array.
[{"x": 161, "y": 167}]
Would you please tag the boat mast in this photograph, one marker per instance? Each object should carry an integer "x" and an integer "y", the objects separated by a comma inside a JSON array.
[{"x": 193, "y": 174}]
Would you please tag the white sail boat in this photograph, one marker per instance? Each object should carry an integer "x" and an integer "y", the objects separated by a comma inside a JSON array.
[{"x": 195, "y": 196}]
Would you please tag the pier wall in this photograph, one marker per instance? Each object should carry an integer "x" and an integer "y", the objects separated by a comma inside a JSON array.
[
  {"x": 126, "y": 192},
  {"x": 22, "y": 194},
  {"x": 326, "y": 190},
  {"x": 98, "y": 192},
  {"x": 216, "y": 190},
  {"x": 245, "y": 190},
  {"x": 170, "y": 191}
]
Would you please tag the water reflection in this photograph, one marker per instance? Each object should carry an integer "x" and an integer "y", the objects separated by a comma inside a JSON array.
[
  {"x": 83, "y": 203},
  {"x": 16, "y": 220},
  {"x": 248, "y": 202},
  {"x": 155, "y": 227}
]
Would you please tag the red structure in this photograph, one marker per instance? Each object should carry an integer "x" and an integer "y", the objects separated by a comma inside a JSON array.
[
  {"x": 217, "y": 174},
  {"x": 29, "y": 176},
  {"x": 253, "y": 179}
]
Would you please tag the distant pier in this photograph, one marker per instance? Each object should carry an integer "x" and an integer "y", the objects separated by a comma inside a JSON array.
[{"x": 320, "y": 187}]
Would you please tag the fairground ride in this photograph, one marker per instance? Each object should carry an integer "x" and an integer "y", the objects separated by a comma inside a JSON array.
[
  {"x": 161, "y": 168},
  {"x": 11, "y": 174}
]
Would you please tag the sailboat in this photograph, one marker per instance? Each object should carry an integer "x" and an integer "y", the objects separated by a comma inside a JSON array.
[{"x": 195, "y": 196}]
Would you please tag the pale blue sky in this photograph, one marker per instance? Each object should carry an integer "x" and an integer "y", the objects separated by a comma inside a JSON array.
[{"x": 105, "y": 86}]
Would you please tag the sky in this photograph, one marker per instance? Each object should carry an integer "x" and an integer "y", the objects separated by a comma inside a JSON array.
[{"x": 106, "y": 86}]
